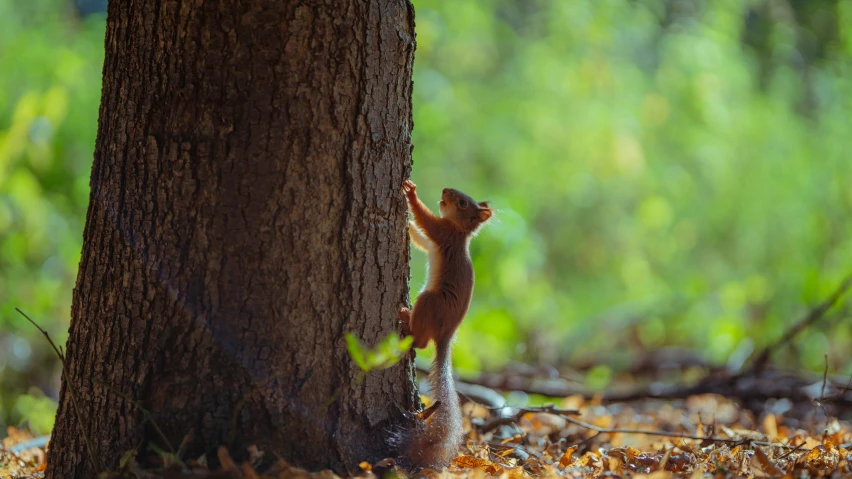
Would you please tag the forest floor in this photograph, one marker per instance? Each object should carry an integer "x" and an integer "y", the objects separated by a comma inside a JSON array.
[{"x": 701, "y": 436}]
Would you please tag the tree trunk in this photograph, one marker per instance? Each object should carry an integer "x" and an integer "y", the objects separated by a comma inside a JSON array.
[{"x": 245, "y": 213}]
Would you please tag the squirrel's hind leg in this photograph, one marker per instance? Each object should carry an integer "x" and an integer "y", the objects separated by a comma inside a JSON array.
[
  {"x": 425, "y": 320},
  {"x": 414, "y": 323},
  {"x": 409, "y": 328}
]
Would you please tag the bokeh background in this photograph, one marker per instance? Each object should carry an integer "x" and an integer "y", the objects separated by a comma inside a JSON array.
[{"x": 668, "y": 173}]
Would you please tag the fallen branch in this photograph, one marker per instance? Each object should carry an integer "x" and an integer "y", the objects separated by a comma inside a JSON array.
[
  {"x": 567, "y": 413},
  {"x": 606, "y": 430},
  {"x": 505, "y": 421},
  {"x": 501, "y": 382},
  {"x": 750, "y": 386},
  {"x": 751, "y": 391},
  {"x": 813, "y": 317}
]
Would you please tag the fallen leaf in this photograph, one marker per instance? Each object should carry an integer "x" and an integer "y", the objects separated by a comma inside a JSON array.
[
  {"x": 765, "y": 463},
  {"x": 566, "y": 458}
]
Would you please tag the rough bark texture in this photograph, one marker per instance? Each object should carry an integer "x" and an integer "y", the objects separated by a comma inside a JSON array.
[{"x": 245, "y": 214}]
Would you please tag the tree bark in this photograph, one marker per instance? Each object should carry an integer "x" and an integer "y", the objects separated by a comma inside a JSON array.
[{"x": 245, "y": 213}]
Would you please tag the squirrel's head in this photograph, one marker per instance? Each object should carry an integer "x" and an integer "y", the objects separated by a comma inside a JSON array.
[{"x": 462, "y": 210}]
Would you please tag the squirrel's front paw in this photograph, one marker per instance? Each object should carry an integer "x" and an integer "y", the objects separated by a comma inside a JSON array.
[
  {"x": 409, "y": 187},
  {"x": 405, "y": 319}
]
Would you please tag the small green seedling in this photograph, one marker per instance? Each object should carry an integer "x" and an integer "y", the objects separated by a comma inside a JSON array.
[{"x": 387, "y": 353}]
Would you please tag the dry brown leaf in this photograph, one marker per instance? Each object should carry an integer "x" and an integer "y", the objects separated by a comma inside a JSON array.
[
  {"x": 248, "y": 471},
  {"x": 471, "y": 462},
  {"x": 514, "y": 473},
  {"x": 765, "y": 463},
  {"x": 566, "y": 458},
  {"x": 505, "y": 452},
  {"x": 545, "y": 423},
  {"x": 770, "y": 426},
  {"x": 226, "y": 461}
]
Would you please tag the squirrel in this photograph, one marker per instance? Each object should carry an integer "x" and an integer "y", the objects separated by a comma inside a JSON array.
[{"x": 437, "y": 313}]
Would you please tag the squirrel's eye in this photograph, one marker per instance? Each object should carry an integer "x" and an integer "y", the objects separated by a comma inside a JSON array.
[{"x": 463, "y": 203}]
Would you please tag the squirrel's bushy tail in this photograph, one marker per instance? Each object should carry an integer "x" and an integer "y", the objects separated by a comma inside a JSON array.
[{"x": 434, "y": 442}]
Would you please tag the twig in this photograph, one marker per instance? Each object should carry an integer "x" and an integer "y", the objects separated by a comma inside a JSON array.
[
  {"x": 566, "y": 413},
  {"x": 791, "y": 451},
  {"x": 86, "y": 437},
  {"x": 813, "y": 316},
  {"x": 590, "y": 438},
  {"x": 502, "y": 382},
  {"x": 515, "y": 447},
  {"x": 840, "y": 391},
  {"x": 480, "y": 394},
  {"x": 504, "y": 421},
  {"x": 605, "y": 430},
  {"x": 818, "y": 402},
  {"x": 426, "y": 413}
]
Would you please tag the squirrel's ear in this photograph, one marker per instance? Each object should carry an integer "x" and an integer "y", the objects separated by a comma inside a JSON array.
[{"x": 484, "y": 215}]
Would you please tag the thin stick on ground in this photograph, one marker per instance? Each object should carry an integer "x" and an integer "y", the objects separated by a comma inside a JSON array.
[
  {"x": 791, "y": 451},
  {"x": 505, "y": 421},
  {"x": 92, "y": 455},
  {"x": 818, "y": 402},
  {"x": 606, "y": 430},
  {"x": 567, "y": 413}
]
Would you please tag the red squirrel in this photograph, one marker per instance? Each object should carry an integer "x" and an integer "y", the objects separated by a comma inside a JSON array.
[{"x": 437, "y": 313}]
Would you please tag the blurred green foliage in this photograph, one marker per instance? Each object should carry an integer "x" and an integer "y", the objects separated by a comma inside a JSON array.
[
  {"x": 666, "y": 173},
  {"x": 674, "y": 172},
  {"x": 50, "y": 73},
  {"x": 388, "y": 352}
]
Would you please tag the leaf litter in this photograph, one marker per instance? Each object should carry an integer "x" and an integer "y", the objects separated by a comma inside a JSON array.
[{"x": 704, "y": 436}]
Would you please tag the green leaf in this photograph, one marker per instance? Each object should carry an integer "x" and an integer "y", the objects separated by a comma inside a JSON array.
[
  {"x": 386, "y": 354},
  {"x": 390, "y": 351},
  {"x": 38, "y": 410},
  {"x": 356, "y": 351}
]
